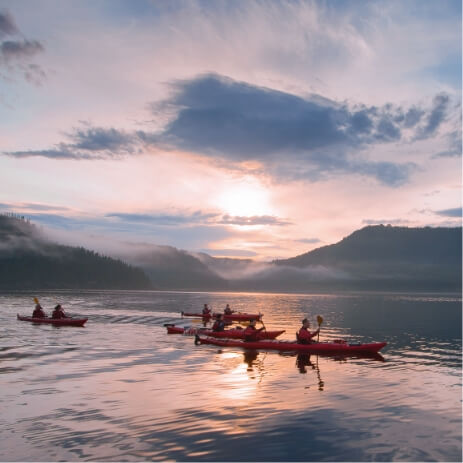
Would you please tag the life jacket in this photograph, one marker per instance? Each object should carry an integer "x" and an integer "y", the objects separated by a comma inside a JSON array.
[
  {"x": 219, "y": 325},
  {"x": 59, "y": 313},
  {"x": 38, "y": 312},
  {"x": 251, "y": 333},
  {"x": 301, "y": 339}
]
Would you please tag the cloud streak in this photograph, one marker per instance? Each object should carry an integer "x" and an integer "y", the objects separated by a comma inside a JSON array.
[
  {"x": 88, "y": 143},
  {"x": 199, "y": 217},
  {"x": 454, "y": 212},
  {"x": 16, "y": 53}
]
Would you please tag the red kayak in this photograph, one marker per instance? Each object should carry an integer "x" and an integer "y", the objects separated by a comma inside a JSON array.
[
  {"x": 55, "y": 321},
  {"x": 233, "y": 333},
  {"x": 337, "y": 347},
  {"x": 237, "y": 317}
]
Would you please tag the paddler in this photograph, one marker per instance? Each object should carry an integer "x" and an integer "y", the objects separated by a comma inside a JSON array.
[
  {"x": 304, "y": 336},
  {"x": 38, "y": 311},
  {"x": 251, "y": 333},
  {"x": 58, "y": 312},
  {"x": 228, "y": 310},
  {"x": 206, "y": 310},
  {"x": 219, "y": 324}
]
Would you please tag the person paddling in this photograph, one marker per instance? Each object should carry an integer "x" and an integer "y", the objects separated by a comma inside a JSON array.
[
  {"x": 304, "y": 336},
  {"x": 206, "y": 310},
  {"x": 219, "y": 324},
  {"x": 58, "y": 312},
  {"x": 228, "y": 310},
  {"x": 38, "y": 311},
  {"x": 251, "y": 333}
]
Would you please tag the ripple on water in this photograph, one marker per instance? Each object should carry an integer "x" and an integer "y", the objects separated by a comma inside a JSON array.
[{"x": 121, "y": 389}]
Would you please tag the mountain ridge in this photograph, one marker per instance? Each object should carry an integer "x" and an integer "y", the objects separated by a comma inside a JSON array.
[{"x": 372, "y": 258}]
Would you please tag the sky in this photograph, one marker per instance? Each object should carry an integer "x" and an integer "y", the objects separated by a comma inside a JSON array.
[{"x": 250, "y": 129}]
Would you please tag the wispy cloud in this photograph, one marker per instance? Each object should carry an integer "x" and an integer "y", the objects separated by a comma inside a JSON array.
[
  {"x": 454, "y": 212},
  {"x": 166, "y": 219},
  {"x": 16, "y": 51},
  {"x": 199, "y": 217},
  {"x": 88, "y": 143},
  {"x": 385, "y": 221},
  {"x": 309, "y": 240},
  {"x": 253, "y": 220},
  {"x": 24, "y": 207}
]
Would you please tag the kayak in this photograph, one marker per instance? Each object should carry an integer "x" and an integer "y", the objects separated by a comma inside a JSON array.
[
  {"x": 237, "y": 317},
  {"x": 55, "y": 321},
  {"x": 315, "y": 348},
  {"x": 233, "y": 333}
]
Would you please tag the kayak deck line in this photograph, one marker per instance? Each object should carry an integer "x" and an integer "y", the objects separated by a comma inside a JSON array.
[
  {"x": 318, "y": 347},
  {"x": 54, "y": 321}
]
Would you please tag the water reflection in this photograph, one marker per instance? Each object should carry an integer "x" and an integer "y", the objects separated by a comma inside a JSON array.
[
  {"x": 250, "y": 356},
  {"x": 122, "y": 390},
  {"x": 303, "y": 361}
]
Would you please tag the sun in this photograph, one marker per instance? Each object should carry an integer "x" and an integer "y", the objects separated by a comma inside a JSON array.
[{"x": 246, "y": 199}]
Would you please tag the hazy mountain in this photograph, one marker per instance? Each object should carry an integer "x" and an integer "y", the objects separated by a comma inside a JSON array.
[
  {"x": 29, "y": 261},
  {"x": 386, "y": 257},
  {"x": 373, "y": 258},
  {"x": 172, "y": 268}
]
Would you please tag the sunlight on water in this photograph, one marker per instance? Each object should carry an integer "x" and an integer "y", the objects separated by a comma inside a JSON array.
[{"x": 122, "y": 389}]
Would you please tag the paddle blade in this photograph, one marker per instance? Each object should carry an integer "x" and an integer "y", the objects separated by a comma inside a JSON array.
[{"x": 319, "y": 319}]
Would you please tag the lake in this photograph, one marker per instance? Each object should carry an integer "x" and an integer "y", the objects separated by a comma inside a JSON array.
[{"x": 121, "y": 389}]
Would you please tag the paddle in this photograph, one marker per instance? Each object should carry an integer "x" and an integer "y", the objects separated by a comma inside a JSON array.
[{"x": 319, "y": 321}]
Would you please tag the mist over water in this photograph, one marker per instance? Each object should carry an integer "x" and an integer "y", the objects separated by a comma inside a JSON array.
[{"x": 122, "y": 389}]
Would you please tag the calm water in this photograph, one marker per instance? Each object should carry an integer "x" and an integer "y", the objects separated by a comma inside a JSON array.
[{"x": 121, "y": 389}]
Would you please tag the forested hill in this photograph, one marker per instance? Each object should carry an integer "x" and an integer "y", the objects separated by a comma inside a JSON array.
[
  {"x": 379, "y": 257},
  {"x": 29, "y": 261}
]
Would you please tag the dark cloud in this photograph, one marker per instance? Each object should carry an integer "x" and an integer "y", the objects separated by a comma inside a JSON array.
[
  {"x": 7, "y": 25},
  {"x": 413, "y": 117},
  {"x": 435, "y": 117},
  {"x": 454, "y": 212},
  {"x": 10, "y": 49},
  {"x": 290, "y": 137},
  {"x": 295, "y": 137}
]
